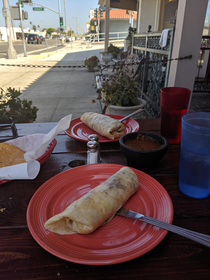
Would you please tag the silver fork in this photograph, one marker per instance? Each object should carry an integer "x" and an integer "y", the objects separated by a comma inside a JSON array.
[{"x": 193, "y": 235}]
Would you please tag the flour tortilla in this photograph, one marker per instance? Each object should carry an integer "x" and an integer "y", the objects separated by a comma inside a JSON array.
[
  {"x": 104, "y": 125},
  {"x": 97, "y": 206},
  {"x": 10, "y": 155}
]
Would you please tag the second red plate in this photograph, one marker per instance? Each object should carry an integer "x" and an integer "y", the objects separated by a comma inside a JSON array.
[{"x": 80, "y": 131}]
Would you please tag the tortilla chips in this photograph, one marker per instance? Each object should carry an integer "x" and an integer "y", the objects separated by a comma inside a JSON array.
[{"x": 10, "y": 155}]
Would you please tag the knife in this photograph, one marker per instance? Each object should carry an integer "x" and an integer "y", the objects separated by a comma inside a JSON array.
[{"x": 193, "y": 235}]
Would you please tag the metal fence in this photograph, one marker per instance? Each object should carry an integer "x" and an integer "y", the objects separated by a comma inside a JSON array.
[
  {"x": 154, "y": 74},
  {"x": 202, "y": 84}
]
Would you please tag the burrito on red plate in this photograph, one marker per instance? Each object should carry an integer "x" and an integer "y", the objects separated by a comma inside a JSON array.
[
  {"x": 97, "y": 206},
  {"x": 104, "y": 125}
]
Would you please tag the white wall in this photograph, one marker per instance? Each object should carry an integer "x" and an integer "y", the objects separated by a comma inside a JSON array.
[
  {"x": 117, "y": 25},
  {"x": 187, "y": 41},
  {"x": 147, "y": 15},
  {"x": 13, "y": 32}
]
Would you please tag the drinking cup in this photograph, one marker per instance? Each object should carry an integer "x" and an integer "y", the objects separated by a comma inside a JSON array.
[
  {"x": 194, "y": 169},
  {"x": 173, "y": 105}
]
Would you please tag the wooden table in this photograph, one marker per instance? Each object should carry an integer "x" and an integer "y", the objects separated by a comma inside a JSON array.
[{"x": 174, "y": 258}]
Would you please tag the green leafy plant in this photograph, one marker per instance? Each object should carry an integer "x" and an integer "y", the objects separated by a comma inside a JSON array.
[
  {"x": 131, "y": 31},
  {"x": 119, "y": 90},
  {"x": 114, "y": 50},
  {"x": 91, "y": 62},
  {"x": 11, "y": 105}
]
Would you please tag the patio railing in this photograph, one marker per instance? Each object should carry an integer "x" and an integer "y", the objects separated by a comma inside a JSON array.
[
  {"x": 202, "y": 83},
  {"x": 113, "y": 36},
  {"x": 154, "y": 74}
]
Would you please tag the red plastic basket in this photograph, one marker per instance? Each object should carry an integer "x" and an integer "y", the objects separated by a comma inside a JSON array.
[{"x": 41, "y": 159}]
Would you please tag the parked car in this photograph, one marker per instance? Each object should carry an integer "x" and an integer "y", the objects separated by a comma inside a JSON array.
[
  {"x": 42, "y": 38},
  {"x": 34, "y": 38},
  {"x": 68, "y": 39}
]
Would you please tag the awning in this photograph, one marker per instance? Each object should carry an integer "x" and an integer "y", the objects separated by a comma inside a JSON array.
[{"x": 121, "y": 4}]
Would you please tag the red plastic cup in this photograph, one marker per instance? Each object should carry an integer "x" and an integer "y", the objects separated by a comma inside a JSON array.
[{"x": 173, "y": 105}]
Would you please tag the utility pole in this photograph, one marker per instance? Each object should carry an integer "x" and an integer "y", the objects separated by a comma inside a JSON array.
[
  {"x": 11, "y": 52},
  {"x": 21, "y": 23},
  {"x": 59, "y": 7},
  {"x": 65, "y": 13},
  {"x": 65, "y": 16}
]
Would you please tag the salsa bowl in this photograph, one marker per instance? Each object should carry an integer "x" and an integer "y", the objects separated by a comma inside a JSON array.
[{"x": 149, "y": 154}]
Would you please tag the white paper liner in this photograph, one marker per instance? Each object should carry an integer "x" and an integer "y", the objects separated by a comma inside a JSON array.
[{"x": 35, "y": 146}]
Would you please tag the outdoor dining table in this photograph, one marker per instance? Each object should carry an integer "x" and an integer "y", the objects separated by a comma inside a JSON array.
[{"x": 175, "y": 257}]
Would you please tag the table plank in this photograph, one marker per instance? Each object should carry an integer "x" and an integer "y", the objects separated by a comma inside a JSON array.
[{"x": 174, "y": 258}]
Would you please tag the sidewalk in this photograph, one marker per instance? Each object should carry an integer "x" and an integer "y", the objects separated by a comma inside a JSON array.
[{"x": 57, "y": 92}]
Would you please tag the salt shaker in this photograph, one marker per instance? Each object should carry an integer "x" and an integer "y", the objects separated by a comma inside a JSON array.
[
  {"x": 93, "y": 154},
  {"x": 94, "y": 137}
]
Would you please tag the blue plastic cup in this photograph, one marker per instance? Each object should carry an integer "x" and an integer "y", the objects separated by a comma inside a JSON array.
[{"x": 194, "y": 169}]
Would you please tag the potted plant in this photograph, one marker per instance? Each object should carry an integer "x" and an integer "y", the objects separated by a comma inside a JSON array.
[
  {"x": 11, "y": 105},
  {"x": 128, "y": 40},
  {"x": 120, "y": 94},
  {"x": 114, "y": 51},
  {"x": 91, "y": 63},
  {"x": 106, "y": 56}
]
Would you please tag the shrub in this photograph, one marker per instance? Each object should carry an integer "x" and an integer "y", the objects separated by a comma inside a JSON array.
[
  {"x": 12, "y": 106},
  {"x": 91, "y": 62},
  {"x": 120, "y": 90}
]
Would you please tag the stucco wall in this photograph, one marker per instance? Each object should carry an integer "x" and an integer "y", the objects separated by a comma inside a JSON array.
[
  {"x": 117, "y": 25},
  {"x": 147, "y": 15}
]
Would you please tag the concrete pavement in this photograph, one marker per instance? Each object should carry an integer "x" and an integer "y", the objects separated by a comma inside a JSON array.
[{"x": 57, "y": 92}]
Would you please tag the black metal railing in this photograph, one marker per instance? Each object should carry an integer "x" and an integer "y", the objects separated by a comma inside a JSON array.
[{"x": 156, "y": 68}]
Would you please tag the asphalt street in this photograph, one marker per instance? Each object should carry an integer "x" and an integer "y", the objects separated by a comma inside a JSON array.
[{"x": 48, "y": 45}]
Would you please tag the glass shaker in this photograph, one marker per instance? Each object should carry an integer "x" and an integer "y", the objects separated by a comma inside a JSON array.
[
  {"x": 93, "y": 153},
  {"x": 93, "y": 137}
]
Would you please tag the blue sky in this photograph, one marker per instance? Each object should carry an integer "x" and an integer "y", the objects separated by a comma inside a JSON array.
[{"x": 74, "y": 9}]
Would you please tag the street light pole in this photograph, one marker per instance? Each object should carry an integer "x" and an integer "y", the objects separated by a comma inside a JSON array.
[
  {"x": 65, "y": 16},
  {"x": 11, "y": 53},
  {"x": 23, "y": 36},
  {"x": 76, "y": 22},
  {"x": 59, "y": 6}
]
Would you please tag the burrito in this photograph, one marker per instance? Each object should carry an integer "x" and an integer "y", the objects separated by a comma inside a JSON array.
[
  {"x": 96, "y": 207},
  {"x": 104, "y": 125},
  {"x": 10, "y": 155}
]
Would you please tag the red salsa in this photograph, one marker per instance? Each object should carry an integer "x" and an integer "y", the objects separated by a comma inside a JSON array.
[{"x": 143, "y": 143}]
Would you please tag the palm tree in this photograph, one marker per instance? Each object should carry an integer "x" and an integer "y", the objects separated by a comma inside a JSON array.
[
  {"x": 31, "y": 24},
  {"x": 38, "y": 26}
]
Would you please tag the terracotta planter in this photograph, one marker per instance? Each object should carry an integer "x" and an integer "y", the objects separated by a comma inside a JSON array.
[{"x": 126, "y": 110}]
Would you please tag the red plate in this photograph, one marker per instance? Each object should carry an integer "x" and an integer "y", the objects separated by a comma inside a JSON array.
[
  {"x": 121, "y": 239},
  {"x": 80, "y": 131}
]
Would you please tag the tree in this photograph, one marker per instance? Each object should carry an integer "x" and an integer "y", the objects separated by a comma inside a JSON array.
[
  {"x": 50, "y": 30},
  {"x": 31, "y": 24},
  {"x": 70, "y": 32},
  {"x": 38, "y": 26},
  {"x": 34, "y": 27}
]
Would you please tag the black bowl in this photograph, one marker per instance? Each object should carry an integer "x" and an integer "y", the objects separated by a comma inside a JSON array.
[{"x": 137, "y": 158}]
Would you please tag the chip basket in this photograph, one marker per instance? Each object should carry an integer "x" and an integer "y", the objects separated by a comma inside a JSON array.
[{"x": 41, "y": 159}]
